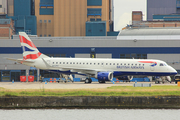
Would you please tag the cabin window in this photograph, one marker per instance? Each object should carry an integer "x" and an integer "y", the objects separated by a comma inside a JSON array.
[
  {"x": 67, "y": 62},
  {"x": 101, "y": 63},
  {"x": 109, "y": 63},
  {"x": 87, "y": 63},
  {"x": 56, "y": 62},
  {"x": 77, "y": 63},
  {"x": 117, "y": 63},
  {"x": 106, "y": 63},
  {"x": 98, "y": 63},
  {"x": 53, "y": 62},
  {"x": 94, "y": 63},
  {"x": 128, "y": 64},
  {"x": 59, "y": 62},
  {"x": 124, "y": 64},
  {"x": 90, "y": 63},
  {"x": 132, "y": 64},
  {"x": 161, "y": 64},
  {"x": 135, "y": 64}
]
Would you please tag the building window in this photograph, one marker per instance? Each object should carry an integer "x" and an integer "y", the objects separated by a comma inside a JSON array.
[
  {"x": 49, "y": 21},
  {"x": 92, "y": 19},
  {"x": 94, "y": 2},
  {"x": 98, "y": 19},
  {"x": 94, "y": 12},
  {"x": 133, "y": 56},
  {"x": 0, "y": 6},
  {"x": 40, "y": 35},
  {"x": 44, "y": 35},
  {"x": 40, "y": 21},
  {"x": 49, "y": 35},
  {"x": 45, "y": 21}
]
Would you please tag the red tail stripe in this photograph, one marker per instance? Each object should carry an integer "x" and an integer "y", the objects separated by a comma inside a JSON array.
[
  {"x": 24, "y": 40},
  {"x": 32, "y": 56},
  {"x": 147, "y": 62}
]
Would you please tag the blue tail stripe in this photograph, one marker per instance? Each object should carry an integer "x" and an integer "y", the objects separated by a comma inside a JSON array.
[{"x": 24, "y": 48}]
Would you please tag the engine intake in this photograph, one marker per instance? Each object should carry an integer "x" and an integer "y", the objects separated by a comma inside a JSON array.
[{"x": 104, "y": 76}]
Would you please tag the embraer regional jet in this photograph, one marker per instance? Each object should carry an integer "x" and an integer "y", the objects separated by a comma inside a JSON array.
[{"x": 101, "y": 69}]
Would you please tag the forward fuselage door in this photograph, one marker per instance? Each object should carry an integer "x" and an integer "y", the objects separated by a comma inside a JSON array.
[{"x": 49, "y": 62}]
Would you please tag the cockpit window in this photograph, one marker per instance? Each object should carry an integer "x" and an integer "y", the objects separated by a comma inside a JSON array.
[{"x": 161, "y": 64}]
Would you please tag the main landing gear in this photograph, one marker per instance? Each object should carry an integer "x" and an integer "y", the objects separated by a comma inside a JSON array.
[{"x": 88, "y": 80}]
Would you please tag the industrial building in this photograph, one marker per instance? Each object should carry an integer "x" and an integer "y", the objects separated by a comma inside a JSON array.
[
  {"x": 163, "y": 44},
  {"x": 162, "y": 7},
  {"x": 55, "y": 18},
  {"x": 73, "y": 17},
  {"x": 160, "y": 13}
]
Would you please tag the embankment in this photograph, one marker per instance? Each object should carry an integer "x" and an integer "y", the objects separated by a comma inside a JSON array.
[{"x": 169, "y": 102}]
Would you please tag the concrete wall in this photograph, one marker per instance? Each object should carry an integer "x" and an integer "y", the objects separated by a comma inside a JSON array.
[{"x": 157, "y": 102}]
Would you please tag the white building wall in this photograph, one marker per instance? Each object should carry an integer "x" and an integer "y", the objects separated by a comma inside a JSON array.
[{"x": 3, "y": 9}]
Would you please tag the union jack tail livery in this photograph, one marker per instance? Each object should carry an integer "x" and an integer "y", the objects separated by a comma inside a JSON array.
[{"x": 29, "y": 49}]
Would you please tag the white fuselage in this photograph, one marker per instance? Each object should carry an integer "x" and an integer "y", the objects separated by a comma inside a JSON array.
[{"x": 119, "y": 67}]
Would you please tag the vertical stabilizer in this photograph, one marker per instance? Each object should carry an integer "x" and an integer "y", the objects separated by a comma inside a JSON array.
[{"x": 29, "y": 49}]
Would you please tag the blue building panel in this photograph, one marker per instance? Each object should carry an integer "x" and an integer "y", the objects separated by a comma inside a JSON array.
[
  {"x": 31, "y": 24},
  {"x": 94, "y": 2},
  {"x": 116, "y": 51},
  {"x": 46, "y": 11},
  {"x": 46, "y": 3},
  {"x": 94, "y": 11},
  {"x": 178, "y": 3},
  {"x": 26, "y": 23},
  {"x": 22, "y": 7},
  {"x": 96, "y": 28},
  {"x": 112, "y": 33},
  {"x": 173, "y": 17}
]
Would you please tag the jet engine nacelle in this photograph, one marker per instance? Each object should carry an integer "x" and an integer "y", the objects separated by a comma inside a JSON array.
[
  {"x": 104, "y": 76},
  {"x": 125, "y": 78}
]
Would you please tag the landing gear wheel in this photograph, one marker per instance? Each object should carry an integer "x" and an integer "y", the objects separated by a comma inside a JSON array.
[
  {"x": 101, "y": 81},
  {"x": 88, "y": 80}
]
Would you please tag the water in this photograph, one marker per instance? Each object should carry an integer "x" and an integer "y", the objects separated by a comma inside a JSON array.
[{"x": 90, "y": 114}]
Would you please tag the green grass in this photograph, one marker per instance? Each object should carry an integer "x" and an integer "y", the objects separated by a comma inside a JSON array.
[{"x": 110, "y": 91}]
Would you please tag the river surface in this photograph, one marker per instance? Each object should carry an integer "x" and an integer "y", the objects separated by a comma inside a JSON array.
[{"x": 90, "y": 114}]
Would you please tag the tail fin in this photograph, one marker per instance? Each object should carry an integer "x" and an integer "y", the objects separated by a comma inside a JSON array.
[{"x": 29, "y": 49}]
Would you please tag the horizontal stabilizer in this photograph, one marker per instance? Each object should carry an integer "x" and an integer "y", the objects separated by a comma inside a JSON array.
[{"x": 21, "y": 60}]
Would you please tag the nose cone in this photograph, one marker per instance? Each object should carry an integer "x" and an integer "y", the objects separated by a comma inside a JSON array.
[{"x": 172, "y": 71}]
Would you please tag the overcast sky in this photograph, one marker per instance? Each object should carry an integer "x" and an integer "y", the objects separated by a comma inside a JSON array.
[{"x": 123, "y": 12}]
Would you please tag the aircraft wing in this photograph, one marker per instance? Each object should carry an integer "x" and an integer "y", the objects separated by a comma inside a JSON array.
[{"x": 21, "y": 60}]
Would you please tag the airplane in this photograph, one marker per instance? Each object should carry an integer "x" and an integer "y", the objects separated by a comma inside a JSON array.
[{"x": 101, "y": 69}]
